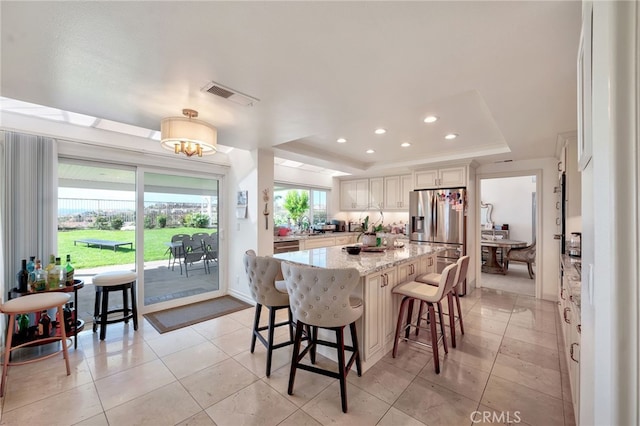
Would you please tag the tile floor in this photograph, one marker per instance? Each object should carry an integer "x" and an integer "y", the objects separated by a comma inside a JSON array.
[{"x": 509, "y": 362}]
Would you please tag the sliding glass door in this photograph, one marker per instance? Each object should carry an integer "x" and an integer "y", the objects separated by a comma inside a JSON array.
[{"x": 180, "y": 233}]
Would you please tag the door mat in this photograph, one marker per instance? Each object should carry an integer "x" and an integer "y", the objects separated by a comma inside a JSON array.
[{"x": 184, "y": 316}]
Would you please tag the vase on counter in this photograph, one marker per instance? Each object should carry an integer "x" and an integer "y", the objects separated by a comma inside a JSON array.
[{"x": 370, "y": 240}]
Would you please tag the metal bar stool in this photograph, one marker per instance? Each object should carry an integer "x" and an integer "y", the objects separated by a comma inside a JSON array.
[
  {"x": 114, "y": 281},
  {"x": 24, "y": 305}
]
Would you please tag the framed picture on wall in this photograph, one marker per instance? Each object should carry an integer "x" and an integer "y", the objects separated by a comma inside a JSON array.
[{"x": 585, "y": 141}]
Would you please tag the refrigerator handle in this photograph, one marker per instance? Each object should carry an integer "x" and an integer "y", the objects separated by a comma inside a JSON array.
[{"x": 434, "y": 213}]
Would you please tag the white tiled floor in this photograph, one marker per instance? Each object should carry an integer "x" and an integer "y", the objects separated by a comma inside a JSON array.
[{"x": 509, "y": 362}]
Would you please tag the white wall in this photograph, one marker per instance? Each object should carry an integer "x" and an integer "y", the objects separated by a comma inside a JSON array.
[
  {"x": 548, "y": 249},
  {"x": 512, "y": 203},
  {"x": 609, "y": 347}
]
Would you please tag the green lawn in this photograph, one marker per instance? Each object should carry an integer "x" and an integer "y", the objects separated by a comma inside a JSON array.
[{"x": 90, "y": 257}]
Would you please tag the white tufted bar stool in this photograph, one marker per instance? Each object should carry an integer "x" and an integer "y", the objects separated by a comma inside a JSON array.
[
  {"x": 267, "y": 289},
  {"x": 414, "y": 290},
  {"x": 321, "y": 298},
  {"x": 461, "y": 275},
  {"x": 24, "y": 305},
  {"x": 105, "y": 283}
]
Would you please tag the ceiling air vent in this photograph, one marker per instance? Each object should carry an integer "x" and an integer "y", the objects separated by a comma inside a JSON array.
[{"x": 229, "y": 94}]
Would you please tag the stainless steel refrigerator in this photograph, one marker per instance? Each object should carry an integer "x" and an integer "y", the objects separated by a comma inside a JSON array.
[{"x": 438, "y": 216}]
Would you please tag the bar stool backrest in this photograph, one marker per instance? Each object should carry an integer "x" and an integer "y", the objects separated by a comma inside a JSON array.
[
  {"x": 262, "y": 273},
  {"x": 447, "y": 282},
  {"x": 461, "y": 273},
  {"x": 319, "y": 296}
]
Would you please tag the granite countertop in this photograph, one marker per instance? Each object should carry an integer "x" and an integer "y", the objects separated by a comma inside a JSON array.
[
  {"x": 572, "y": 278},
  {"x": 295, "y": 237},
  {"x": 366, "y": 262}
]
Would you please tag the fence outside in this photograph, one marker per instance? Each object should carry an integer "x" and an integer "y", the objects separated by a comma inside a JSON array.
[{"x": 82, "y": 213}]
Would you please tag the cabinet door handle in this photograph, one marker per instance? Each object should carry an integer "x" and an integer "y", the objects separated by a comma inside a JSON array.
[
  {"x": 571, "y": 353},
  {"x": 564, "y": 314},
  {"x": 559, "y": 164},
  {"x": 579, "y": 328},
  {"x": 562, "y": 294},
  {"x": 557, "y": 205},
  {"x": 557, "y": 221}
]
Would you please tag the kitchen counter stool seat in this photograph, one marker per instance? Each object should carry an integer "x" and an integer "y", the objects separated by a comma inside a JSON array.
[
  {"x": 268, "y": 290},
  {"x": 105, "y": 283},
  {"x": 321, "y": 298},
  {"x": 433, "y": 279},
  {"x": 27, "y": 304},
  {"x": 414, "y": 290}
]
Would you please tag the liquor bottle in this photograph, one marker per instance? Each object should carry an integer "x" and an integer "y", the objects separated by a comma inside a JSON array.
[
  {"x": 23, "y": 278},
  {"x": 23, "y": 324},
  {"x": 53, "y": 275},
  {"x": 49, "y": 267},
  {"x": 69, "y": 271},
  {"x": 31, "y": 265},
  {"x": 40, "y": 282},
  {"x": 44, "y": 326}
]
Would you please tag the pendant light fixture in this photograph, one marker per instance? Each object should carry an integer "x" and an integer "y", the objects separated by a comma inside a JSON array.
[{"x": 188, "y": 136}]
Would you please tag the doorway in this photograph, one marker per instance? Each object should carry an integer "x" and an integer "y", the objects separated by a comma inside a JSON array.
[
  {"x": 180, "y": 234},
  {"x": 508, "y": 219}
]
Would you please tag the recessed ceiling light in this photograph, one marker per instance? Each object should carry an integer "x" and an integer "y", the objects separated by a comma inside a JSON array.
[
  {"x": 405, "y": 144},
  {"x": 451, "y": 136},
  {"x": 380, "y": 131},
  {"x": 370, "y": 151},
  {"x": 341, "y": 140},
  {"x": 430, "y": 119}
]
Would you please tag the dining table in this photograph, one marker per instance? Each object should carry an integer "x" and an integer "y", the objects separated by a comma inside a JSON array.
[{"x": 492, "y": 265}]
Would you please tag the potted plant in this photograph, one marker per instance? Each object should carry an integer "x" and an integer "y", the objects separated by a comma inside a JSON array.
[{"x": 368, "y": 232}]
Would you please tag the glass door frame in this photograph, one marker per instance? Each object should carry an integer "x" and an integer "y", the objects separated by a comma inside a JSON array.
[{"x": 222, "y": 290}]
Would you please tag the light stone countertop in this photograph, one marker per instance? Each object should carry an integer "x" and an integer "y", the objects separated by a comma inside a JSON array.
[
  {"x": 366, "y": 262},
  {"x": 295, "y": 237},
  {"x": 572, "y": 277}
]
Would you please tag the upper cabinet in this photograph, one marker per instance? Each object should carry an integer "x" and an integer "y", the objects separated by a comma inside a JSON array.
[
  {"x": 354, "y": 194},
  {"x": 396, "y": 192},
  {"x": 449, "y": 177},
  {"x": 376, "y": 192}
]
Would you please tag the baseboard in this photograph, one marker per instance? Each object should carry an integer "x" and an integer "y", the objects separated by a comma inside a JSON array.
[{"x": 242, "y": 296}]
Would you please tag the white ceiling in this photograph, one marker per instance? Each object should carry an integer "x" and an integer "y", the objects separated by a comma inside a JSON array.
[{"x": 500, "y": 74}]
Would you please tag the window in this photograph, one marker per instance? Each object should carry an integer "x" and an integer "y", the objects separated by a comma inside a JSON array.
[{"x": 315, "y": 214}]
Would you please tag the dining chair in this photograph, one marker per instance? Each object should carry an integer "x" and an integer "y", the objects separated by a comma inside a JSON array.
[
  {"x": 175, "y": 251},
  {"x": 523, "y": 254}
]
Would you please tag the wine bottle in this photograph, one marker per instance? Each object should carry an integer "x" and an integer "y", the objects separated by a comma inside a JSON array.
[
  {"x": 23, "y": 278},
  {"x": 69, "y": 271}
]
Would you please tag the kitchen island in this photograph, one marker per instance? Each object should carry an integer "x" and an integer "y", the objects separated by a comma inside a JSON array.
[{"x": 379, "y": 273}]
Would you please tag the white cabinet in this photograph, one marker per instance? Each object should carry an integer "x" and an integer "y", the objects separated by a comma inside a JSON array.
[
  {"x": 379, "y": 321},
  {"x": 345, "y": 240},
  {"x": 427, "y": 264},
  {"x": 449, "y": 177},
  {"x": 396, "y": 192},
  {"x": 317, "y": 242},
  {"x": 376, "y": 192},
  {"x": 354, "y": 194},
  {"x": 408, "y": 271}
]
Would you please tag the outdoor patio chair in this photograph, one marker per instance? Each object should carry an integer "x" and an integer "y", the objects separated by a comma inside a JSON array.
[
  {"x": 192, "y": 252},
  {"x": 210, "y": 248},
  {"x": 175, "y": 252},
  {"x": 198, "y": 236}
]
